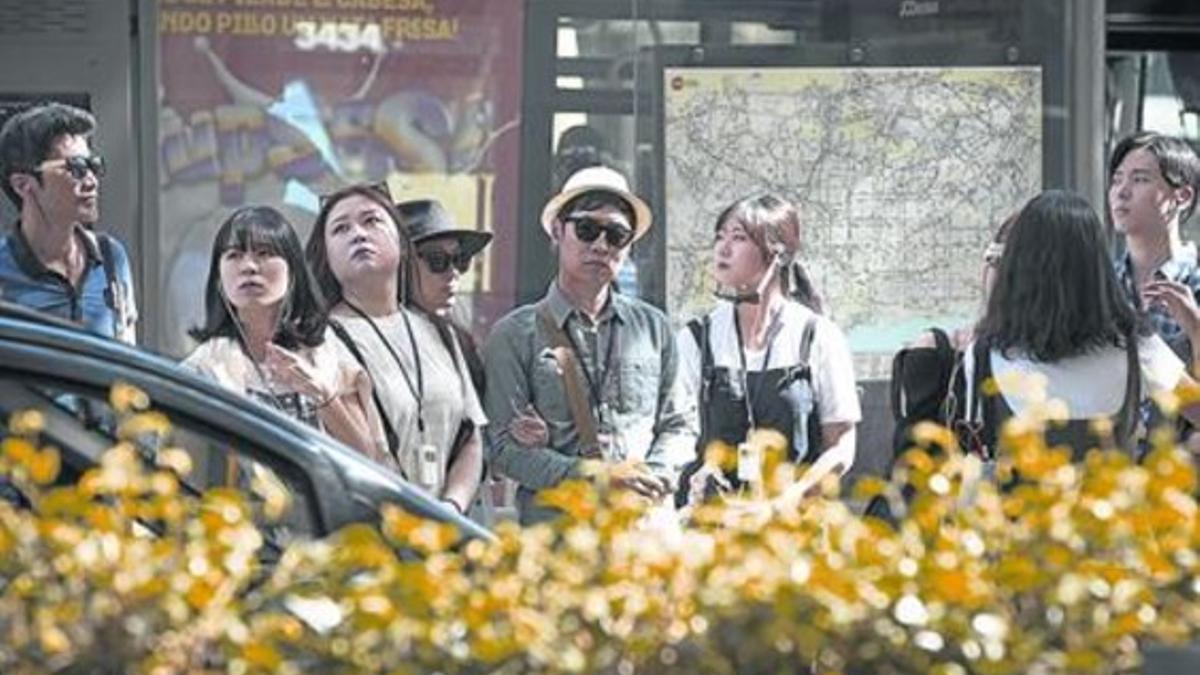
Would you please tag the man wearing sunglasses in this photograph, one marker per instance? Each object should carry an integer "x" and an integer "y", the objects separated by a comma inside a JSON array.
[
  {"x": 51, "y": 260},
  {"x": 594, "y": 370}
]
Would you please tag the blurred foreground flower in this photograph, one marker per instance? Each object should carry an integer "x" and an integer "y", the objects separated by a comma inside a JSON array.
[{"x": 1053, "y": 568}]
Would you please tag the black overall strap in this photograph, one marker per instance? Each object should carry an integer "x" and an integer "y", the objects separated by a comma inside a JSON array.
[
  {"x": 701, "y": 330},
  {"x": 816, "y": 437}
]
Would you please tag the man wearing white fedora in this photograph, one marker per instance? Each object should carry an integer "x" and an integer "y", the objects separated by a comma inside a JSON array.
[{"x": 593, "y": 370}]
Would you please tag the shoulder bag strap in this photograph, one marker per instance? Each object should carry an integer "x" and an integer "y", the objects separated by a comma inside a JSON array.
[
  {"x": 393, "y": 439},
  {"x": 1125, "y": 422},
  {"x": 577, "y": 399}
]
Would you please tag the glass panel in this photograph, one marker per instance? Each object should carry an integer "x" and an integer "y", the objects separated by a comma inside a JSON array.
[
  {"x": 1156, "y": 91},
  {"x": 905, "y": 131},
  {"x": 267, "y": 105}
]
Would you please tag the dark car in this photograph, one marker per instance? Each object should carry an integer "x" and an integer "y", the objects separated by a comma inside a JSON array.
[{"x": 68, "y": 373}]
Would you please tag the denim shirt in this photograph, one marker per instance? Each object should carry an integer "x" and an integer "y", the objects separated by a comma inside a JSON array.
[
  {"x": 1184, "y": 269},
  {"x": 640, "y": 397},
  {"x": 24, "y": 280}
]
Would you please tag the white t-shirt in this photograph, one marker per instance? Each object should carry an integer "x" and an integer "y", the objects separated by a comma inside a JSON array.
[
  {"x": 448, "y": 396},
  {"x": 1092, "y": 384},
  {"x": 832, "y": 366}
]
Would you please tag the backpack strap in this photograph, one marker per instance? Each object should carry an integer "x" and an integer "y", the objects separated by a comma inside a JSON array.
[
  {"x": 114, "y": 296},
  {"x": 981, "y": 409},
  {"x": 389, "y": 431},
  {"x": 577, "y": 401}
]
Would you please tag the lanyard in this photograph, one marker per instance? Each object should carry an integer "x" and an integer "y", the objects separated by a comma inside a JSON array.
[
  {"x": 595, "y": 384},
  {"x": 417, "y": 390},
  {"x": 752, "y": 397}
]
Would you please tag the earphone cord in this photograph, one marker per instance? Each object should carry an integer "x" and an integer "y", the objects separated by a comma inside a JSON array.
[{"x": 245, "y": 343}]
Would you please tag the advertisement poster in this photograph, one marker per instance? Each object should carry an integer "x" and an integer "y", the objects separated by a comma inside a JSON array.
[{"x": 277, "y": 102}]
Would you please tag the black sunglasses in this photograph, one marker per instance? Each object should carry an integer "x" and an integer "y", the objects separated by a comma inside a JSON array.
[
  {"x": 439, "y": 261},
  {"x": 588, "y": 229},
  {"x": 78, "y": 165}
]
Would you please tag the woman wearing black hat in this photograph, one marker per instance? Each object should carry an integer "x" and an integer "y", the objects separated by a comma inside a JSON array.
[{"x": 445, "y": 253}]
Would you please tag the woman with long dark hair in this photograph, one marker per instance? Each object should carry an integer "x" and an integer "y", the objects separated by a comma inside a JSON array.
[
  {"x": 264, "y": 333},
  {"x": 362, "y": 257},
  {"x": 1056, "y": 314},
  {"x": 766, "y": 358}
]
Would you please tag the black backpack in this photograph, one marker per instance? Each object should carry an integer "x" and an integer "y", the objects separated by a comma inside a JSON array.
[
  {"x": 926, "y": 386},
  {"x": 922, "y": 388}
]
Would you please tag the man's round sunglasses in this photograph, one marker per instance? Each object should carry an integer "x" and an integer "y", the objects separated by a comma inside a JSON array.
[
  {"x": 439, "y": 261},
  {"x": 78, "y": 165},
  {"x": 588, "y": 229}
]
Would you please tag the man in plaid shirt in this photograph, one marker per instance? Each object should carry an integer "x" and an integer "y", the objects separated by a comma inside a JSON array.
[{"x": 1152, "y": 190}]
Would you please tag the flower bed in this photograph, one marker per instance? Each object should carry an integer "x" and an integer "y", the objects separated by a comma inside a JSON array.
[{"x": 1073, "y": 568}]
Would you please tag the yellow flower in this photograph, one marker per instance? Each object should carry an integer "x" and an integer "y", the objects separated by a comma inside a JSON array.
[
  {"x": 18, "y": 450},
  {"x": 26, "y": 422},
  {"x": 126, "y": 398},
  {"x": 144, "y": 424},
  {"x": 44, "y": 466},
  {"x": 577, "y": 499}
]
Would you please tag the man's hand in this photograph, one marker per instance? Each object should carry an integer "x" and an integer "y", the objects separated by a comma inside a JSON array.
[
  {"x": 637, "y": 476},
  {"x": 1179, "y": 302},
  {"x": 528, "y": 428},
  {"x": 698, "y": 485}
]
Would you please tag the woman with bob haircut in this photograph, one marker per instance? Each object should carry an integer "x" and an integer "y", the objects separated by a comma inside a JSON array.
[
  {"x": 1057, "y": 314},
  {"x": 765, "y": 358},
  {"x": 362, "y": 257},
  {"x": 264, "y": 333}
]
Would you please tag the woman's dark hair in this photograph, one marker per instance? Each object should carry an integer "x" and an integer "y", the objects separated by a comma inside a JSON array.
[
  {"x": 1056, "y": 294},
  {"x": 318, "y": 255},
  {"x": 773, "y": 223},
  {"x": 302, "y": 317}
]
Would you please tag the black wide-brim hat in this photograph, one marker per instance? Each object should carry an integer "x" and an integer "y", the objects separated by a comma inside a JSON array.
[{"x": 426, "y": 219}]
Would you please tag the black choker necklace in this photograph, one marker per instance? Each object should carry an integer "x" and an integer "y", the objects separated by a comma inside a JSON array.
[{"x": 747, "y": 298}]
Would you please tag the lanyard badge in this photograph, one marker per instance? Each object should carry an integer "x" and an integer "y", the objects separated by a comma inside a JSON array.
[
  {"x": 750, "y": 462},
  {"x": 429, "y": 469}
]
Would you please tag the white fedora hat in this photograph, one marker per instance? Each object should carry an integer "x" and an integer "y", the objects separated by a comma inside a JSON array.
[{"x": 598, "y": 179}]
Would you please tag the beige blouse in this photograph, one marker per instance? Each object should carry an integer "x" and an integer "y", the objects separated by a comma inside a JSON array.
[{"x": 223, "y": 361}]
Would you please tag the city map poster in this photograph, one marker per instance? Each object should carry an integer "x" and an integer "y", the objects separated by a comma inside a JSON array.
[
  {"x": 277, "y": 104},
  {"x": 902, "y": 174}
]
